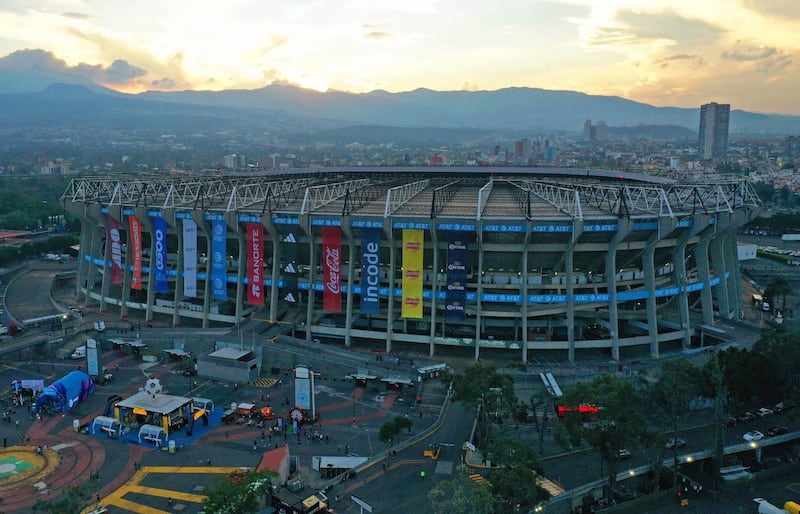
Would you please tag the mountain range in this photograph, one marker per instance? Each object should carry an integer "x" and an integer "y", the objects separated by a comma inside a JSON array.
[{"x": 518, "y": 109}]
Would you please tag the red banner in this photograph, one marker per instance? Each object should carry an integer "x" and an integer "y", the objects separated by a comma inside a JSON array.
[
  {"x": 255, "y": 263},
  {"x": 114, "y": 250},
  {"x": 332, "y": 269},
  {"x": 135, "y": 230}
]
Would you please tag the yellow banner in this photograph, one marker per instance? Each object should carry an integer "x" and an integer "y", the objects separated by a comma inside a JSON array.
[{"x": 413, "y": 249}]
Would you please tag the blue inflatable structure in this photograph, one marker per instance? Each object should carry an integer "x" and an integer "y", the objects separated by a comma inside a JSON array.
[{"x": 66, "y": 392}]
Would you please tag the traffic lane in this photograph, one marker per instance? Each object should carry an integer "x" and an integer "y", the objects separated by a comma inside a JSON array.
[{"x": 28, "y": 295}]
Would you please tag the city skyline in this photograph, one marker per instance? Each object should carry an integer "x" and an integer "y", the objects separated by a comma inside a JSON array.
[{"x": 675, "y": 53}]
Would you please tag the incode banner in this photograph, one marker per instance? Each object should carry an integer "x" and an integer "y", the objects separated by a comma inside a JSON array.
[
  {"x": 160, "y": 254},
  {"x": 189, "y": 258},
  {"x": 135, "y": 230},
  {"x": 413, "y": 251},
  {"x": 332, "y": 269},
  {"x": 255, "y": 263},
  {"x": 456, "y": 295},
  {"x": 219, "y": 261},
  {"x": 370, "y": 270},
  {"x": 114, "y": 250}
]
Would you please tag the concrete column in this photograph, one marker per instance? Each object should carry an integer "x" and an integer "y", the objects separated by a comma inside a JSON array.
[
  {"x": 179, "y": 266},
  {"x": 434, "y": 288},
  {"x": 387, "y": 229},
  {"x": 232, "y": 221},
  {"x": 105, "y": 285},
  {"x": 569, "y": 265},
  {"x": 721, "y": 264},
  {"x": 277, "y": 241},
  {"x": 312, "y": 271},
  {"x": 127, "y": 271},
  {"x": 351, "y": 256},
  {"x": 665, "y": 226},
  {"x": 523, "y": 290},
  {"x": 85, "y": 250},
  {"x": 479, "y": 306},
  {"x": 147, "y": 223},
  {"x": 679, "y": 259},
  {"x": 704, "y": 274},
  {"x": 623, "y": 229},
  {"x": 204, "y": 228}
]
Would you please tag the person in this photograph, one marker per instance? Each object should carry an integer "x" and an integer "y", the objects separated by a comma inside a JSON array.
[{"x": 255, "y": 446}]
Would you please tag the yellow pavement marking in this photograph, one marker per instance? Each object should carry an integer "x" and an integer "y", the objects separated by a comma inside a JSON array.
[
  {"x": 117, "y": 498},
  {"x": 264, "y": 382}
]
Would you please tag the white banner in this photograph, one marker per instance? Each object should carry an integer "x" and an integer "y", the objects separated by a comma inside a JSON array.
[{"x": 189, "y": 259}]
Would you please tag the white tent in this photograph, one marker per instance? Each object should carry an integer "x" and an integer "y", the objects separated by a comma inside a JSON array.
[
  {"x": 152, "y": 433},
  {"x": 106, "y": 424}
]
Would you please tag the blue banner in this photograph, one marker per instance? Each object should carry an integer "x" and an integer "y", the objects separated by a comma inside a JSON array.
[
  {"x": 457, "y": 264},
  {"x": 219, "y": 260},
  {"x": 160, "y": 254},
  {"x": 370, "y": 270}
]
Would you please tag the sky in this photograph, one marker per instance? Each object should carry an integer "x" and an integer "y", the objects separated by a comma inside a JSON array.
[{"x": 681, "y": 53}]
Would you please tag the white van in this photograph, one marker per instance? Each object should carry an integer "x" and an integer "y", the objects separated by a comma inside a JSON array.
[{"x": 79, "y": 353}]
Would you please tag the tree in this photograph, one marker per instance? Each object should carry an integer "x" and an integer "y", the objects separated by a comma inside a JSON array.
[
  {"x": 387, "y": 432},
  {"x": 619, "y": 424},
  {"x": 514, "y": 489},
  {"x": 75, "y": 500},
  {"x": 238, "y": 492},
  {"x": 461, "y": 496},
  {"x": 778, "y": 288},
  {"x": 678, "y": 383}
]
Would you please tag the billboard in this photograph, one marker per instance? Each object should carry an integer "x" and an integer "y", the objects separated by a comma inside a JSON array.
[
  {"x": 457, "y": 267},
  {"x": 189, "y": 258},
  {"x": 219, "y": 260},
  {"x": 413, "y": 250},
  {"x": 255, "y": 263},
  {"x": 160, "y": 254},
  {"x": 370, "y": 270},
  {"x": 135, "y": 231},
  {"x": 114, "y": 250},
  {"x": 332, "y": 269},
  {"x": 290, "y": 270}
]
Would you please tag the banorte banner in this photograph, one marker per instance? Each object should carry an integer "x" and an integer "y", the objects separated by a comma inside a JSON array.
[
  {"x": 255, "y": 263},
  {"x": 135, "y": 231},
  {"x": 332, "y": 269},
  {"x": 114, "y": 250},
  {"x": 160, "y": 254},
  {"x": 413, "y": 250}
]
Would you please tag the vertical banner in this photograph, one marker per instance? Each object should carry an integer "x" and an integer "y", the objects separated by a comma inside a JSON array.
[
  {"x": 160, "y": 254},
  {"x": 370, "y": 270},
  {"x": 456, "y": 295},
  {"x": 332, "y": 269},
  {"x": 135, "y": 231},
  {"x": 114, "y": 250},
  {"x": 189, "y": 258},
  {"x": 255, "y": 263},
  {"x": 290, "y": 269},
  {"x": 413, "y": 246},
  {"x": 219, "y": 260}
]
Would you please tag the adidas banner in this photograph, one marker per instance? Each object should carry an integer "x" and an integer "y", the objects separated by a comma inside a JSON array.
[{"x": 290, "y": 268}]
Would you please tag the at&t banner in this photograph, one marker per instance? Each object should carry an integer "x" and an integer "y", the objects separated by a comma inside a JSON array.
[
  {"x": 332, "y": 269},
  {"x": 456, "y": 295},
  {"x": 370, "y": 270},
  {"x": 135, "y": 230},
  {"x": 255, "y": 263},
  {"x": 219, "y": 260},
  {"x": 160, "y": 254},
  {"x": 114, "y": 250},
  {"x": 189, "y": 258},
  {"x": 413, "y": 246}
]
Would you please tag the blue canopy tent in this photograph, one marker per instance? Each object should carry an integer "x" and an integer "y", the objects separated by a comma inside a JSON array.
[{"x": 66, "y": 392}]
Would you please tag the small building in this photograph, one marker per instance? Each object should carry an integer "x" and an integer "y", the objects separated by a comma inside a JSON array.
[
  {"x": 230, "y": 364},
  {"x": 170, "y": 413}
]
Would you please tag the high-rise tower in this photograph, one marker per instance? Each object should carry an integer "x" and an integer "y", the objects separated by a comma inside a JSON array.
[{"x": 713, "y": 139}]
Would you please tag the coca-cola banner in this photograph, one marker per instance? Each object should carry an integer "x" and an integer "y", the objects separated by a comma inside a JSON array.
[
  {"x": 114, "y": 250},
  {"x": 332, "y": 269},
  {"x": 135, "y": 231},
  {"x": 255, "y": 263},
  {"x": 160, "y": 254},
  {"x": 456, "y": 295}
]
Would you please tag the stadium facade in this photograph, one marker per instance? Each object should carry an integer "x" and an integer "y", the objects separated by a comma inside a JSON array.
[{"x": 511, "y": 258}]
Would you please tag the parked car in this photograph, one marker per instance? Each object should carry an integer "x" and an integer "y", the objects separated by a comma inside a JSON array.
[
  {"x": 622, "y": 454},
  {"x": 732, "y": 421},
  {"x": 777, "y": 430},
  {"x": 675, "y": 443},
  {"x": 755, "y": 435},
  {"x": 189, "y": 371},
  {"x": 763, "y": 412},
  {"x": 747, "y": 416}
]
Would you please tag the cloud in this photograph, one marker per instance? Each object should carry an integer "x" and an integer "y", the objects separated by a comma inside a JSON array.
[
  {"x": 118, "y": 73},
  {"x": 378, "y": 35},
  {"x": 76, "y": 15},
  {"x": 781, "y": 9},
  {"x": 749, "y": 54}
]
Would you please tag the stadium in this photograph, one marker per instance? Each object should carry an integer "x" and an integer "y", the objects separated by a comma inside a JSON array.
[{"x": 512, "y": 259}]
